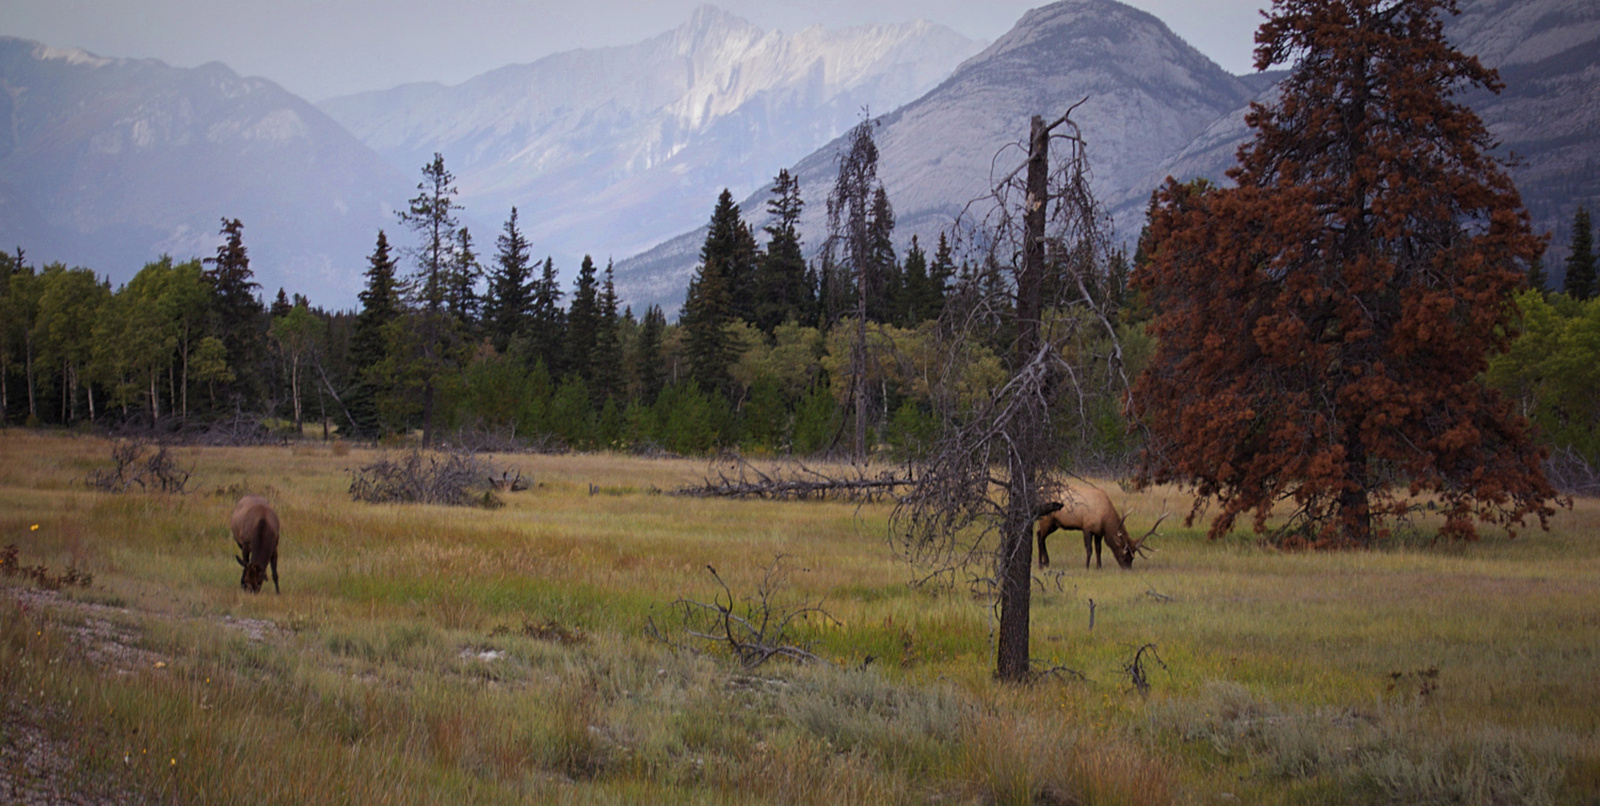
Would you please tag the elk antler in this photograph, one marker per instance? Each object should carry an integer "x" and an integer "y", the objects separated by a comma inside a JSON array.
[{"x": 1139, "y": 546}]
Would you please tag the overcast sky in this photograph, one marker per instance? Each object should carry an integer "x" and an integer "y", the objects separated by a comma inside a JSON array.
[{"x": 324, "y": 48}]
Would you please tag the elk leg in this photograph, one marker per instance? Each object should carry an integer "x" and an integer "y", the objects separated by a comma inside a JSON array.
[
  {"x": 274, "y": 564},
  {"x": 1044, "y": 555}
]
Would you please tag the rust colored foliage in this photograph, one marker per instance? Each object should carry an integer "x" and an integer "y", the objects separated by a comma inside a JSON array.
[{"x": 1323, "y": 325}]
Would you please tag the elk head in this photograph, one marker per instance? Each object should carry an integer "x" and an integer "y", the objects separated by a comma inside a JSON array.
[
  {"x": 1125, "y": 548},
  {"x": 254, "y": 575}
]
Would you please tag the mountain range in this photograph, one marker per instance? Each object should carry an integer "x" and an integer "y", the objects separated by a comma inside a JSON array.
[
  {"x": 1157, "y": 108},
  {"x": 621, "y": 152},
  {"x": 109, "y": 163},
  {"x": 616, "y": 148}
]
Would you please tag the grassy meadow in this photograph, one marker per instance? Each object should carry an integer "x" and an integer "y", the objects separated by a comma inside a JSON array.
[{"x": 424, "y": 654}]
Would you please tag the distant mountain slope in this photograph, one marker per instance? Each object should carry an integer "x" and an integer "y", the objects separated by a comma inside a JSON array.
[
  {"x": 1158, "y": 109},
  {"x": 1548, "y": 115},
  {"x": 1149, "y": 93},
  {"x": 107, "y": 163},
  {"x": 610, "y": 150}
]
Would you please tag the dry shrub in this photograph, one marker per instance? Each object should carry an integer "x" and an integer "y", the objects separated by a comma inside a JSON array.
[
  {"x": 1034, "y": 761},
  {"x": 452, "y": 479},
  {"x": 11, "y": 565},
  {"x": 134, "y": 465},
  {"x": 1388, "y": 755}
]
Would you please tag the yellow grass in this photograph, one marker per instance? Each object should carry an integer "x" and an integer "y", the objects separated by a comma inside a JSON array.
[{"x": 410, "y": 656}]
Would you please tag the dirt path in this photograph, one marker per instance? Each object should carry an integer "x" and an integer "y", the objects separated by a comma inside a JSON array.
[{"x": 36, "y": 764}]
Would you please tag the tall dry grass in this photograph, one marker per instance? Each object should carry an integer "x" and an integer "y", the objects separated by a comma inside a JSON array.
[{"x": 423, "y": 654}]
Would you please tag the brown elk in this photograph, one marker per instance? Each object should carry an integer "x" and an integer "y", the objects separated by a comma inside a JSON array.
[
  {"x": 255, "y": 529},
  {"x": 1089, "y": 510}
]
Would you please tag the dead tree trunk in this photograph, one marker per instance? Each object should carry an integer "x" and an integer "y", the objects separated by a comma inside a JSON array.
[{"x": 1016, "y": 586}]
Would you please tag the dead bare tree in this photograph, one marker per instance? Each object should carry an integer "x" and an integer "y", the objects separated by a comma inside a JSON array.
[
  {"x": 975, "y": 494},
  {"x": 848, "y": 217}
]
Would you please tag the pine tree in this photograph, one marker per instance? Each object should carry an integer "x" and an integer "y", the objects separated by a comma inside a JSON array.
[
  {"x": 649, "y": 371},
  {"x": 782, "y": 289},
  {"x": 1323, "y": 331},
  {"x": 916, "y": 299},
  {"x": 707, "y": 311},
  {"x": 547, "y": 321},
  {"x": 940, "y": 275},
  {"x": 380, "y": 305},
  {"x": 429, "y": 215},
  {"x": 281, "y": 306},
  {"x": 237, "y": 316},
  {"x": 583, "y": 325},
  {"x": 1581, "y": 282},
  {"x": 607, "y": 371},
  {"x": 731, "y": 246},
  {"x": 435, "y": 337},
  {"x": 1538, "y": 277},
  {"x": 885, "y": 287},
  {"x": 508, "y": 307},
  {"x": 461, "y": 287}
]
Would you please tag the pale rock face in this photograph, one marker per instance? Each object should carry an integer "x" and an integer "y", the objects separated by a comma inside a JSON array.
[
  {"x": 1148, "y": 94},
  {"x": 608, "y": 151}
]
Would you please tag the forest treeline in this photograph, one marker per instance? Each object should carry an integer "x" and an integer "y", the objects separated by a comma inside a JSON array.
[{"x": 449, "y": 339}]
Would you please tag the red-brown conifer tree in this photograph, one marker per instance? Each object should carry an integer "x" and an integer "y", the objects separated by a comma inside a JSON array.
[{"x": 1323, "y": 325}]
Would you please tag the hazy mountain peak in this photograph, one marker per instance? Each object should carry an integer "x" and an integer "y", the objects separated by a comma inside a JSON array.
[
  {"x": 74, "y": 56},
  {"x": 609, "y": 150}
]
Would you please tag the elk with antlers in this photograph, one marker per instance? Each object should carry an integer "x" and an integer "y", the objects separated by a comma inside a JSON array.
[{"x": 1089, "y": 510}]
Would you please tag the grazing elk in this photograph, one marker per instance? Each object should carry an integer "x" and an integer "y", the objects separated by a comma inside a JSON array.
[
  {"x": 255, "y": 529},
  {"x": 1089, "y": 510}
]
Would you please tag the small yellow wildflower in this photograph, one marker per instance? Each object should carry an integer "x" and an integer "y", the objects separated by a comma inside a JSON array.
[{"x": 33, "y": 528}]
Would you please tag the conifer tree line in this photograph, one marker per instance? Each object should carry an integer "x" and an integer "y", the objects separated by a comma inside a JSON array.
[{"x": 449, "y": 335}]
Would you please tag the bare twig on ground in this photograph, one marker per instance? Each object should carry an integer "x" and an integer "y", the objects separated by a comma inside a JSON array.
[
  {"x": 1136, "y": 670},
  {"x": 754, "y": 629}
]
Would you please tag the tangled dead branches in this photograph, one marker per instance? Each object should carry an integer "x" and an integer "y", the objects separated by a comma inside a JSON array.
[
  {"x": 736, "y": 477},
  {"x": 155, "y": 472},
  {"x": 754, "y": 629},
  {"x": 1136, "y": 670},
  {"x": 453, "y": 479}
]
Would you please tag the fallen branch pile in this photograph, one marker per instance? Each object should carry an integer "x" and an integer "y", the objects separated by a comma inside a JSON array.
[
  {"x": 453, "y": 479},
  {"x": 155, "y": 472},
  {"x": 737, "y": 478}
]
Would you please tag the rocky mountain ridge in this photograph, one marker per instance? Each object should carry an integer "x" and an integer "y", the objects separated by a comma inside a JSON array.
[
  {"x": 108, "y": 163},
  {"x": 616, "y": 148}
]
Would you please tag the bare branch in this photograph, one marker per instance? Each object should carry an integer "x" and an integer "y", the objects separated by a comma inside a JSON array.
[{"x": 754, "y": 629}]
